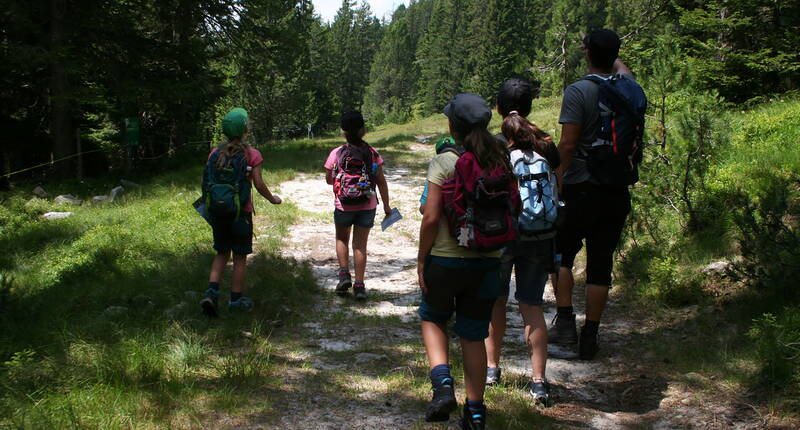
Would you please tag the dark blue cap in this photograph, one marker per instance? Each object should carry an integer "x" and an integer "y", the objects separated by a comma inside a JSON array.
[{"x": 468, "y": 111}]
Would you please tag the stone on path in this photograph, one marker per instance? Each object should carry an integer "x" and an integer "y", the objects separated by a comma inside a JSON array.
[
  {"x": 99, "y": 199},
  {"x": 717, "y": 268},
  {"x": 40, "y": 192},
  {"x": 51, "y": 216},
  {"x": 115, "y": 193},
  {"x": 115, "y": 310},
  {"x": 67, "y": 199}
]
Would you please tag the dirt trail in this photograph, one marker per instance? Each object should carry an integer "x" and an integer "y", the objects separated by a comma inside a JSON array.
[{"x": 343, "y": 373}]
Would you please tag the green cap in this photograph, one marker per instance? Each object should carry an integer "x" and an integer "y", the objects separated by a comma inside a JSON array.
[
  {"x": 234, "y": 123},
  {"x": 445, "y": 141}
]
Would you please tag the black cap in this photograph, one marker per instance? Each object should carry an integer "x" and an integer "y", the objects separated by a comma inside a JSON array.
[
  {"x": 515, "y": 95},
  {"x": 468, "y": 111},
  {"x": 352, "y": 121},
  {"x": 602, "y": 40}
]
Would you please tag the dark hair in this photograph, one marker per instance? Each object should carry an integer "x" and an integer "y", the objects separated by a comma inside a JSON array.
[
  {"x": 231, "y": 148},
  {"x": 354, "y": 137},
  {"x": 603, "y": 47},
  {"x": 516, "y": 94},
  {"x": 525, "y": 135},
  {"x": 488, "y": 151}
]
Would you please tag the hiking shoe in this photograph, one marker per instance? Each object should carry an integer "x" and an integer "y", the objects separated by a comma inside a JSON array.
[
  {"x": 243, "y": 303},
  {"x": 209, "y": 303},
  {"x": 587, "y": 347},
  {"x": 442, "y": 403},
  {"x": 493, "y": 376},
  {"x": 540, "y": 391},
  {"x": 359, "y": 291},
  {"x": 563, "y": 331},
  {"x": 470, "y": 421},
  {"x": 343, "y": 285}
]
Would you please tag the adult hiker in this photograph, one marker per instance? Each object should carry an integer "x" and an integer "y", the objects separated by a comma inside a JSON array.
[
  {"x": 231, "y": 171},
  {"x": 459, "y": 256},
  {"x": 602, "y": 118},
  {"x": 516, "y": 96},
  {"x": 355, "y": 170}
]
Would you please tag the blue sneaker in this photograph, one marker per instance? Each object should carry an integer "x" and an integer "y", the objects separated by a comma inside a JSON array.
[
  {"x": 209, "y": 303},
  {"x": 243, "y": 303}
]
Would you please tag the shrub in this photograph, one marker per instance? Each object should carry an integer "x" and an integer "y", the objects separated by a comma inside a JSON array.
[{"x": 777, "y": 340}]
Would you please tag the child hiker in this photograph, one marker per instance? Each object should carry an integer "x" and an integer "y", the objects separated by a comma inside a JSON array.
[
  {"x": 355, "y": 169},
  {"x": 516, "y": 96},
  {"x": 232, "y": 169},
  {"x": 444, "y": 144},
  {"x": 457, "y": 275}
]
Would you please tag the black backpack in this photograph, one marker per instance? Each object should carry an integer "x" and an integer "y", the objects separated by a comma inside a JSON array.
[{"x": 615, "y": 156}]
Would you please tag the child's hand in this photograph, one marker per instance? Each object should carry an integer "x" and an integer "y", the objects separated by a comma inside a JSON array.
[
  {"x": 387, "y": 210},
  {"x": 275, "y": 200}
]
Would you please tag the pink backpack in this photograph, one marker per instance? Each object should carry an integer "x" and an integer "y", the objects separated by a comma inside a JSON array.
[
  {"x": 355, "y": 182},
  {"x": 481, "y": 206}
]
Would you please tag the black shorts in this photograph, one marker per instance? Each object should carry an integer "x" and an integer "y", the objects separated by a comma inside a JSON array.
[
  {"x": 364, "y": 218},
  {"x": 466, "y": 286},
  {"x": 597, "y": 214},
  {"x": 234, "y": 235}
]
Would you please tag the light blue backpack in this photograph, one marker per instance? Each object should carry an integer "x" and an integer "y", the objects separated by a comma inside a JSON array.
[{"x": 538, "y": 191}]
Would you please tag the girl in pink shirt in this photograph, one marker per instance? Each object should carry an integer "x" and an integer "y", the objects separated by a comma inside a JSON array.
[
  {"x": 355, "y": 169},
  {"x": 234, "y": 235}
]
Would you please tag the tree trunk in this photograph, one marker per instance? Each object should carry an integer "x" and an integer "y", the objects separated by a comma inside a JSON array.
[{"x": 60, "y": 116}]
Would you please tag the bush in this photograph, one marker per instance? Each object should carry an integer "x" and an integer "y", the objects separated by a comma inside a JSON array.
[{"x": 777, "y": 340}]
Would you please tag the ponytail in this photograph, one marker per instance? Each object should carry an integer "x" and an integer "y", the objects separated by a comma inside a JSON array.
[
  {"x": 524, "y": 134},
  {"x": 233, "y": 147},
  {"x": 355, "y": 137},
  {"x": 487, "y": 150}
]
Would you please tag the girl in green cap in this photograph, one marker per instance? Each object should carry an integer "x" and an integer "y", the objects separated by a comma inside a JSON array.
[{"x": 233, "y": 165}]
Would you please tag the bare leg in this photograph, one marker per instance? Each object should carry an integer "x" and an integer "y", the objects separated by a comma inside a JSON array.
[
  {"x": 596, "y": 298},
  {"x": 497, "y": 330},
  {"x": 360, "y": 237},
  {"x": 239, "y": 271},
  {"x": 218, "y": 266},
  {"x": 342, "y": 251},
  {"x": 535, "y": 337},
  {"x": 474, "y": 352},
  {"x": 434, "y": 336},
  {"x": 565, "y": 284}
]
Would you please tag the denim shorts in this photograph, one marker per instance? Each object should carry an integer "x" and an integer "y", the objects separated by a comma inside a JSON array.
[
  {"x": 532, "y": 263},
  {"x": 365, "y": 218},
  {"x": 466, "y": 286}
]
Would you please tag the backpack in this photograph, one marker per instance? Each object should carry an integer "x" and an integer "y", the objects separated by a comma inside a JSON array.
[
  {"x": 538, "y": 191},
  {"x": 355, "y": 182},
  {"x": 226, "y": 189},
  {"x": 615, "y": 156},
  {"x": 480, "y": 207}
]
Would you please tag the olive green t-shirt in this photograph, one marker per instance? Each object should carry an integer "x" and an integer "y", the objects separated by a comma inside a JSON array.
[{"x": 442, "y": 168}]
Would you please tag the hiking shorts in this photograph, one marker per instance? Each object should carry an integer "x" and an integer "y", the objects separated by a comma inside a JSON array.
[
  {"x": 596, "y": 214},
  {"x": 531, "y": 263},
  {"x": 233, "y": 235},
  {"x": 466, "y": 286},
  {"x": 365, "y": 218}
]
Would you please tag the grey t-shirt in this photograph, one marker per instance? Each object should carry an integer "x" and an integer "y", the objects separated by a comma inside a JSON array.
[{"x": 580, "y": 107}]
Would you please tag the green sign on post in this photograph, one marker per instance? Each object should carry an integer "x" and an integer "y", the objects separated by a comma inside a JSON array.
[{"x": 131, "y": 131}]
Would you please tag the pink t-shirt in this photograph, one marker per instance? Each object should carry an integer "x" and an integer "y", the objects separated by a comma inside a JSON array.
[
  {"x": 372, "y": 203},
  {"x": 254, "y": 159}
]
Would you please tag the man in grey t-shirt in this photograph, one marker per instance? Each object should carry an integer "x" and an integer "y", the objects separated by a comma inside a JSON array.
[{"x": 593, "y": 212}]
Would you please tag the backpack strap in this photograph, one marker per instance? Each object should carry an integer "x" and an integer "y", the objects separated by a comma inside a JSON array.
[{"x": 455, "y": 149}]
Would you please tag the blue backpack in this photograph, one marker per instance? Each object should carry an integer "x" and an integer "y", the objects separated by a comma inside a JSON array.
[
  {"x": 539, "y": 193},
  {"x": 226, "y": 188},
  {"x": 615, "y": 156}
]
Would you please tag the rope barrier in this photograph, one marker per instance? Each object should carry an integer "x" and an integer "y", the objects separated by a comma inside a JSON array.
[{"x": 49, "y": 163}]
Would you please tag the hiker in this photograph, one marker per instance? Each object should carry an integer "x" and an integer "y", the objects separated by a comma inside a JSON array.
[
  {"x": 532, "y": 255},
  {"x": 231, "y": 171},
  {"x": 602, "y": 118},
  {"x": 355, "y": 169},
  {"x": 444, "y": 144},
  {"x": 458, "y": 261}
]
